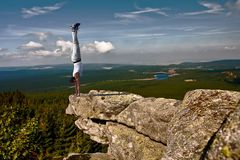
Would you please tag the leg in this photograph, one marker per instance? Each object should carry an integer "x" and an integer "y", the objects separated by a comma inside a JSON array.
[
  {"x": 74, "y": 37},
  {"x": 77, "y": 83},
  {"x": 76, "y": 55}
]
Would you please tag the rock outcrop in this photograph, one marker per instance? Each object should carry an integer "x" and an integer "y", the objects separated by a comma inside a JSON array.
[
  {"x": 205, "y": 125},
  {"x": 88, "y": 156}
]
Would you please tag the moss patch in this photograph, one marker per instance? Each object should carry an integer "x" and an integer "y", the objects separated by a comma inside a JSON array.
[{"x": 226, "y": 151}]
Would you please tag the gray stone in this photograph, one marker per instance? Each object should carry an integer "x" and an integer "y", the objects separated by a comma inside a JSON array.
[
  {"x": 96, "y": 131},
  {"x": 205, "y": 125},
  {"x": 108, "y": 104},
  {"x": 226, "y": 145},
  {"x": 100, "y": 104},
  {"x": 200, "y": 115},
  {"x": 126, "y": 144},
  {"x": 88, "y": 156},
  {"x": 80, "y": 106},
  {"x": 150, "y": 116}
]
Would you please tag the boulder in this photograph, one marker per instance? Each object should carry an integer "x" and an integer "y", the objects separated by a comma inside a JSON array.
[
  {"x": 150, "y": 116},
  {"x": 226, "y": 144},
  {"x": 205, "y": 125},
  {"x": 94, "y": 130},
  {"x": 88, "y": 156},
  {"x": 199, "y": 117},
  {"x": 100, "y": 104},
  {"x": 126, "y": 144}
]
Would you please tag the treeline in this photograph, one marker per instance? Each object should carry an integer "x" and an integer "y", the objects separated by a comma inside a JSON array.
[{"x": 36, "y": 127}]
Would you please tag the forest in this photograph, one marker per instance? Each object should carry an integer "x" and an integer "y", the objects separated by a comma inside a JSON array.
[{"x": 35, "y": 126}]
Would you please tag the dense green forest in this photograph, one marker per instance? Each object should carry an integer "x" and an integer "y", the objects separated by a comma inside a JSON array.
[{"x": 35, "y": 126}]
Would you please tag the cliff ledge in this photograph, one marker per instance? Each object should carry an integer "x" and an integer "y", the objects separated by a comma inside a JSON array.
[{"x": 204, "y": 125}]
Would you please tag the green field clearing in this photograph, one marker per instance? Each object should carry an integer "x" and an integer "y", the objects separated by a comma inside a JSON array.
[{"x": 174, "y": 87}]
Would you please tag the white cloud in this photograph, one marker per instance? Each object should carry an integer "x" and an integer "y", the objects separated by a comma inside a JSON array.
[
  {"x": 3, "y": 49},
  {"x": 103, "y": 46},
  {"x": 230, "y": 48},
  {"x": 36, "y": 11},
  {"x": 145, "y": 35},
  {"x": 212, "y": 8},
  {"x": 136, "y": 14},
  {"x": 150, "y": 10},
  {"x": 64, "y": 45},
  {"x": 126, "y": 15},
  {"x": 12, "y": 55},
  {"x": 234, "y": 7},
  {"x": 42, "y": 36},
  {"x": 63, "y": 49},
  {"x": 32, "y": 45},
  {"x": 97, "y": 47},
  {"x": 216, "y": 32},
  {"x": 42, "y": 68},
  {"x": 44, "y": 53}
]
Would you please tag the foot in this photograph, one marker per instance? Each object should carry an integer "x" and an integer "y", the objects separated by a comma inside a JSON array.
[{"x": 75, "y": 27}]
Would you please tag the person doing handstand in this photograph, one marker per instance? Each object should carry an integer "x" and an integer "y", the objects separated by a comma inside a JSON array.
[{"x": 76, "y": 59}]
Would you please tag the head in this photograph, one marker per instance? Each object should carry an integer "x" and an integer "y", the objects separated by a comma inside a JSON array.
[{"x": 72, "y": 80}]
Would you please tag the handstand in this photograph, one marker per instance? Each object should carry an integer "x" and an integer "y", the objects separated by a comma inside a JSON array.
[{"x": 76, "y": 59}]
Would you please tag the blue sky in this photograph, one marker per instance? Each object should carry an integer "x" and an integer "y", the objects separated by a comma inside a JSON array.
[{"x": 36, "y": 32}]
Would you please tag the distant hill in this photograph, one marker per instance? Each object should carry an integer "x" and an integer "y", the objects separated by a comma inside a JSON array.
[
  {"x": 56, "y": 77},
  {"x": 220, "y": 64}
]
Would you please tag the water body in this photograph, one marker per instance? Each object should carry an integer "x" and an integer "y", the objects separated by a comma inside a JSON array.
[{"x": 161, "y": 76}]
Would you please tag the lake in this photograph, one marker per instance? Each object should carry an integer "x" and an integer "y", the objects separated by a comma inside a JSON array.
[{"x": 161, "y": 76}]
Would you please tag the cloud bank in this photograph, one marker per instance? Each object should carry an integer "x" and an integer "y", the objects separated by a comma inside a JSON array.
[
  {"x": 3, "y": 50},
  {"x": 42, "y": 36},
  {"x": 31, "y": 46},
  {"x": 212, "y": 8},
  {"x": 63, "y": 48},
  {"x": 64, "y": 45},
  {"x": 98, "y": 47},
  {"x": 43, "y": 53},
  {"x": 230, "y": 47},
  {"x": 234, "y": 7},
  {"x": 36, "y": 11},
  {"x": 136, "y": 14}
]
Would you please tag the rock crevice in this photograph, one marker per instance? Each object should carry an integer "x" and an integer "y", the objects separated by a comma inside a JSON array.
[
  {"x": 211, "y": 140},
  {"x": 138, "y": 128}
]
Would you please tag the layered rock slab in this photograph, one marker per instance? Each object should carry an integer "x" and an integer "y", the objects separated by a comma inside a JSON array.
[
  {"x": 97, "y": 132},
  {"x": 126, "y": 144},
  {"x": 150, "y": 116},
  {"x": 88, "y": 156},
  {"x": 199, "y": 117},
  {"x": 204, "y": 126},
  {"x": 100, "y": 104},
  {"x": 226, "y": 145}
]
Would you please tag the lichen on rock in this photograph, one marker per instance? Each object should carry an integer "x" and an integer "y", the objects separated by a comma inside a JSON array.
[
  {"x": 200, "y": 115},
  {"x": 126, "y": 143},
  {"x": 150, "y": 116},
  {"x": 205, "y": 125},
  {"x": 226, "y": 145}
]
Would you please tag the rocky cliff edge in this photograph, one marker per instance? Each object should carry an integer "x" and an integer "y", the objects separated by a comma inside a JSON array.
[{"x": 204, "y": 125}]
